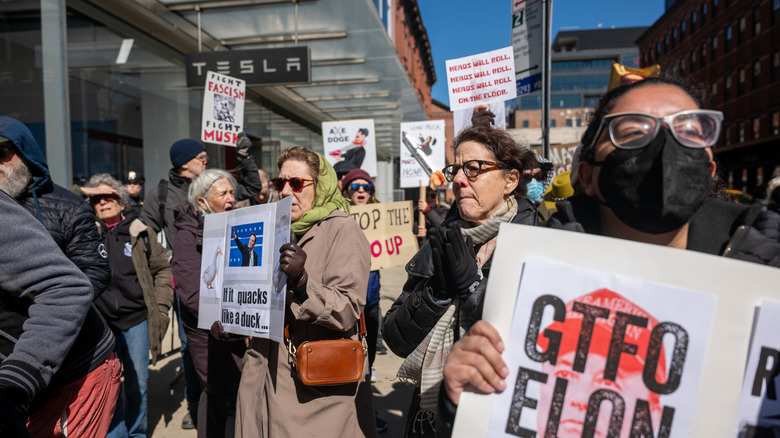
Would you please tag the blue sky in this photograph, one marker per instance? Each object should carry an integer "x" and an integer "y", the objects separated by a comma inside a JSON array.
[{"x": 458, "y": 28}]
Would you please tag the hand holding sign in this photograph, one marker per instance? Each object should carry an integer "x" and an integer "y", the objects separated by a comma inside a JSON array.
[{"x": 475, "y": 362}]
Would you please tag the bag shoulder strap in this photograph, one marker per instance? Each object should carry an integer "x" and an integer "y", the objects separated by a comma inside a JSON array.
[
  {"x": 162, "y": 197},
  {"x": 362, "y": 323}
]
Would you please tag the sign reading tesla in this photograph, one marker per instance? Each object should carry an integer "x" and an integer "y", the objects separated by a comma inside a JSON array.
[{"x": 256, "y": 67}]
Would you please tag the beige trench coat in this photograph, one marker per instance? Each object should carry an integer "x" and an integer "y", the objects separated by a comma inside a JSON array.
[{"x": 271, "y": 397}]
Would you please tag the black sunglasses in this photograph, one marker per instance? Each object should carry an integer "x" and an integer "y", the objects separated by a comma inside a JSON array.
[
  {"x": 97, "y": 198},
  {"x": 296, "y": 184},
  {"x": 366, "y": 187}
]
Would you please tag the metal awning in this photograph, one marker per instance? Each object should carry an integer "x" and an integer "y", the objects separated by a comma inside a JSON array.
[{"x": 356, "y": 71}]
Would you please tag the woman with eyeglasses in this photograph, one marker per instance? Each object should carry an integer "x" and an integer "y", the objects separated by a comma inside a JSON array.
[
  {"x": 136, "y": 302},
  {"x": 447, "y": 278},
  {"x": 646, "y": 172},
  {"x": 217, "y": 358},
  {"x": 327, "y": 276}
]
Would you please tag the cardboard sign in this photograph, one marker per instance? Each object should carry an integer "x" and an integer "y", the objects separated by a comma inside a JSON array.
[
  {"x": 351, "y": 140},
  {"x": 241, "y": 284},
  {"x": 527, "y": 44},
  {"x": 430, "y": 142},
  {"x": 223, "y": 109},
  {"x": 388, "y": 228},
  {"x": 738, "y": 286},
  {"x": 591, "y": 336},
  {"x": 759, "y": 405},
  {"x": 482, "y": 78}
]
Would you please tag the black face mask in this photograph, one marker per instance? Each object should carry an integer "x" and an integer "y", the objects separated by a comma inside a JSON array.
[{"x": 657, "y": 188}]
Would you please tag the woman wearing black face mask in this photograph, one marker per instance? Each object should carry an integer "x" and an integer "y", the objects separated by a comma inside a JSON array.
[{"x": 646, "y": 171}]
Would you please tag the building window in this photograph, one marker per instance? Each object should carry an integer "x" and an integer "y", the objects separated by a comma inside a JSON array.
[
  {"x": 579, "y": 122},
  {"x": 682, "y": 68},
  {"x": 727, "y": 89},
  {"x": 727, "y": 46},
  {"x": 714, "y": 94},
  {"x": 525, "y": 123},
  {"x": 756, "y": 20},
  {"x": 703, "y": 14},
  {"x": 741, "y": 83},
  {"x": 674, "y": 36},
  {"x": 776, "y": 123},
  {"x": 703, "y": 57},
  {"x": 756, "y": 74},
  {"x": 741, "y": 132},
  {"x": 666, "y": 43},
  {"x": 741, "y": 31},
  {"x": 714, "y": 51},
  {"x": 693, "y": 62},
  {"x": 693, "y": 22},
  {"x": 553, "y": 123},
  {"x": 657, "y": 49},
  {"x": 776, "y": 66},
  {"x": 775, "y": 12},
  {"x": 756, "y": 127},
  {"x": 714, "y": 8},
  {"x": 568, "y": 123},
  {"x": 682, "y": 30}
]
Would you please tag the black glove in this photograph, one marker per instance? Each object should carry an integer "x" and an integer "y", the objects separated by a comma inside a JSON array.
[
  {"x": 242, "y": 145},
  {"x": 291, "y": 262},
  {"x": 13, "y": 419},
  {"x": 482, "y": 117},
  {"x": 454, "y": 262}
]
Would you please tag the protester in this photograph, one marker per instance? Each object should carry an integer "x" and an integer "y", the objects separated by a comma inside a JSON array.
[
  {"x": 327, "y": 278},
  {"x": 56, "y": 364},
  {"x": 559, "y": 190},
  {"x": 359, "y": 189},
  {"x": 265, "y": 195},
  {"x": 433, "y": 210},
  {"x": 136, "y": 302},
  {"x": 217, "y": 362},
  {"x": 646, "y": 172},
  {"x": 24, "y": 175},
  {"x": 189, "y": 159},
  {"x": 444, "y": 292},
  {"x": 134, "y": 184}
]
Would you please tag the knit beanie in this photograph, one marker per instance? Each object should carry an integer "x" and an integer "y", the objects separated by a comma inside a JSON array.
[{"x": 184, "y": 150}]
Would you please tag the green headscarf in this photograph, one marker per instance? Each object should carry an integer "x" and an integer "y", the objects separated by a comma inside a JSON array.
[{"x": 327, "y": 198}]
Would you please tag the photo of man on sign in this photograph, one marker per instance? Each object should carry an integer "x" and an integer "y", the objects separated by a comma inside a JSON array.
[{"x": 581, "y": 378}]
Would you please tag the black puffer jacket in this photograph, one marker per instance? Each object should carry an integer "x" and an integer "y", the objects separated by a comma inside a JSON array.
[
  {"x": 416, "y": 310},
  {"x": 69, "y": 220}
]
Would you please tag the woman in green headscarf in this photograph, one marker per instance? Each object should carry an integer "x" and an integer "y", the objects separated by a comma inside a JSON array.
[{"x": 327, "y": 276}]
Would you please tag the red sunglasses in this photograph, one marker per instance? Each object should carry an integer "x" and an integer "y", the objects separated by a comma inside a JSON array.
[{"x": 296, "y": 184}]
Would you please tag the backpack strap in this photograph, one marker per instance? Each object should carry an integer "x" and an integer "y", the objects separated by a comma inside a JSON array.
[{"x": 162, "y": 197}]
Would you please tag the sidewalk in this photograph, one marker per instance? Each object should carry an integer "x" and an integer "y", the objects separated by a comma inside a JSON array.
[{"x": 166, "y": 388}]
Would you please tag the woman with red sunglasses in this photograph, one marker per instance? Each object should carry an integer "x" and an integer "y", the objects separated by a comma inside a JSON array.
[{"x": 327, "y": 276}]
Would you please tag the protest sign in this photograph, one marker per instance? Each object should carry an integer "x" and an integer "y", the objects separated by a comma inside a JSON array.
[
  {"x": 592, "y": 336},
  {"x": 241, "y": 283},
  {"x": 527, "y": 44},
  {"x": 430, "y": 138},
  {"x": 759, "y": 405},
  {"x": 482, "y": 78},
  {"x": 223, "y": 109},
  {"x": 351, "y": 140},
  {"x": 461, "y": 119},
  {"x": 720, "y": 380},
  {"x": 388, "y": 228}
]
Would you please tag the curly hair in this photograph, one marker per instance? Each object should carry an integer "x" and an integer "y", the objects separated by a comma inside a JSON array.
[
  {"x": 306, "y": 156},
  {"x": 504, "y": 150}
]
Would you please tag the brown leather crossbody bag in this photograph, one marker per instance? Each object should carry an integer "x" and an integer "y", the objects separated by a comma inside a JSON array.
[{"x": 329, "y": 362}]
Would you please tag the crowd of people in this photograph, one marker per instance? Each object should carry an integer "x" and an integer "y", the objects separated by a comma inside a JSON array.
[{"x": 88, "y": 287}]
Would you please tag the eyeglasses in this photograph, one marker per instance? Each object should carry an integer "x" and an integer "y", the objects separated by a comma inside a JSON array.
[
  {"x": 6, "y": 151},
  {"x": 366, "y": 187},
  {"x": 471, "y": 168},
  {"x": 96, "y": 199},
  {"x": 203, "y": 157},
  {"x": 432, "y": 195},
  {"x": 296, "y": 184},
  {"x": 692, "y": 128}
]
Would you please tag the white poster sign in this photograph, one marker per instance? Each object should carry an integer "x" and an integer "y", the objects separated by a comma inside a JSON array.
[
  {"x": 429, "y": 143},
  {"x": 759, "y": 407},
  {"x": 351, "y": 140},
  {"x": 738, "y": 286},
  {"x": 241, "y": 283},
  {"x": 592, "y": 336},
  {"x": 482, "y": 78},
  {"x": 223, "y": 109},
  {"x": 527, "y": 44}
]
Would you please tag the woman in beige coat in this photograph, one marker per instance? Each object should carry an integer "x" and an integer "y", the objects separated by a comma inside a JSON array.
[{"x": 327, "y": 276}]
